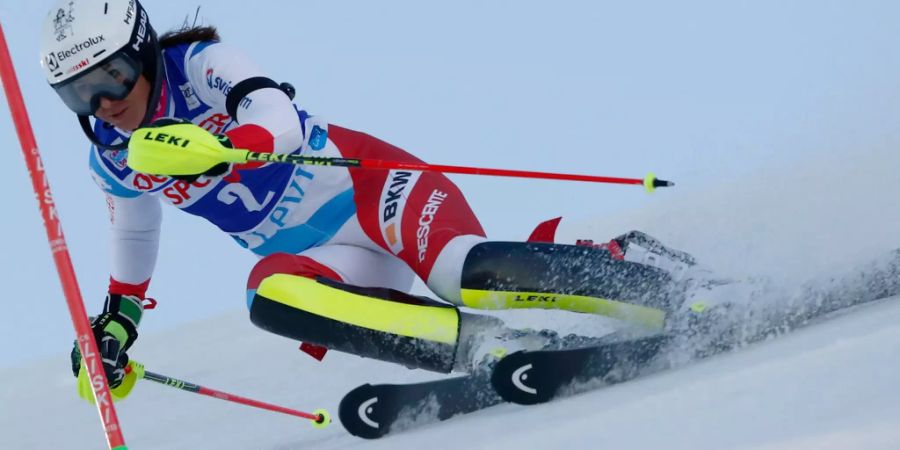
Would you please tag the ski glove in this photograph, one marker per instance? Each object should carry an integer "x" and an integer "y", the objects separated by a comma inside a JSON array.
[
  {"x": 115, "y": 330},
  {"x": 134, "y": 371}
]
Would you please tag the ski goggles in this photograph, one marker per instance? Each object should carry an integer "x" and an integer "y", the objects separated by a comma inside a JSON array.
[{"x": 114, "y": 78}]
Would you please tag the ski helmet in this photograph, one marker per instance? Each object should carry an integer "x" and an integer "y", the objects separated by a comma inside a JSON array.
[{"x": 99, "y": 48}]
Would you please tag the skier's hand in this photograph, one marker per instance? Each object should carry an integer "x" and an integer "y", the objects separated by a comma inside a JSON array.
[
  {"x": 133, "y": 371},
  {"x": 115, "y": 330}
]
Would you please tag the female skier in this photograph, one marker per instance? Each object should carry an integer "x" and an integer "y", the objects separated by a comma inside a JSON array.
[{"x": 339, "y": 247}]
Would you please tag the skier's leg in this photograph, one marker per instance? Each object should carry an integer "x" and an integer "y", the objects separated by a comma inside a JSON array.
[
  {"x": 423, "y": 218},
  {"x": 497, "y": 275},
  {"x": 706, "y": 309},
  {"x": 316, "y": 297}
]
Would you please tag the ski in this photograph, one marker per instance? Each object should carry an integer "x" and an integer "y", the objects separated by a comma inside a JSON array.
[
  {"x": 539, "y": 376},
  {"x": 531, "y": 377},
  {"x": 372, "y": 411}
]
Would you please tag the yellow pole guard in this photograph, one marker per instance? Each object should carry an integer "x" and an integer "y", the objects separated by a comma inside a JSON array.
[{"x": 178, "y": 149}]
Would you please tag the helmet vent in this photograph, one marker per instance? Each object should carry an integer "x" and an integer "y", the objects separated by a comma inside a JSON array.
[{"x": 105, "y": 8}]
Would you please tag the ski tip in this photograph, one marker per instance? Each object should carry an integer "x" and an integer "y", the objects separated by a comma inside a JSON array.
[
  {"x": 521, "y": 378},
  {"x": 362, "y": 414}
]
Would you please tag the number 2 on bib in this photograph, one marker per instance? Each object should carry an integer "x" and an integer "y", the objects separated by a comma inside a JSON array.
[{"x": 236, "y": 191}]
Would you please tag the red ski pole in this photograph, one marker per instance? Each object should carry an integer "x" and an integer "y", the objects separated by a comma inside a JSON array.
[
  {"x": 320, "y": 418},
  {"x": 149, "y": 151},
  {"x": 84, "y": 336},
  {"x": 650, "y": 182}
]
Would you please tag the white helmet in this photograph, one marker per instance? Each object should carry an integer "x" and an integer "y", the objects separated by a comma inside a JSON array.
[{"x": 99, "y": 48}]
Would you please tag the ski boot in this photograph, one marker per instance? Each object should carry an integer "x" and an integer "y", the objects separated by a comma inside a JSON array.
[
  {"x": 485, "y": 340},
  {"x": 710, "y": 307}
]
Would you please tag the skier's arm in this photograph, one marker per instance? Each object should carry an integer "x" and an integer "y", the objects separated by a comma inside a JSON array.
[
  {"x": 135, "y": 222},
  {"x": 227, "y": 79},
  {"x": 135, "y": 219},
  {"x": 134, "y": 243}
]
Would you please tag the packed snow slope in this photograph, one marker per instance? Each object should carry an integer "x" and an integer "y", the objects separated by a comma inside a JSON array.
[
  {"x": 829, "y": 386},
  {"x": 832, "y": 386}
]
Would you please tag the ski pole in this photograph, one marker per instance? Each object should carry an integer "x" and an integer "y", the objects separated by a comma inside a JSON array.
[
  {"x": 84, "y": 336},
  {"x": 320, "y": 418},
  {"x": 185, "y": 149}
]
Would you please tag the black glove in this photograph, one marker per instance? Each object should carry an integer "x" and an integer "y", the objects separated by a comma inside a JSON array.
[{"x": 115, "y": 330}]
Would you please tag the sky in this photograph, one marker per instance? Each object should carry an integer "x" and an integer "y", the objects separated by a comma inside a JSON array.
[{"x": 704, "y": 93}]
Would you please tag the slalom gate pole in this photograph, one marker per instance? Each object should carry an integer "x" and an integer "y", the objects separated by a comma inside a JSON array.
[
  {"x": 84, "y": 336},
  {"x": 320, "y": 418}
]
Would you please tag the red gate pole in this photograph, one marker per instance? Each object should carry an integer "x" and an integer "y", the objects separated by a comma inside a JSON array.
[{"x": 84, "y": 335}]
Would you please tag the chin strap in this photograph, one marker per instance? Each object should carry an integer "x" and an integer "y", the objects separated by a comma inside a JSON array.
[{"x": 89, "y": 132}]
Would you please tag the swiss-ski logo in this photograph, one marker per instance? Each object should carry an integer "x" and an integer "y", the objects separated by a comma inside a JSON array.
[{"x": 217, "y": 83}]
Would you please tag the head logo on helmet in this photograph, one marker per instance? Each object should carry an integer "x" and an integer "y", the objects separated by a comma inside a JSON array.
[
  {"x": 141, "y": 32},
  {"x": 129, "y": 13},
  {"x": 91, "y": 49}
]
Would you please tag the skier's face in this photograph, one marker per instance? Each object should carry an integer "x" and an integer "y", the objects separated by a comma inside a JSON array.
[{"x": 126, "y": 114}]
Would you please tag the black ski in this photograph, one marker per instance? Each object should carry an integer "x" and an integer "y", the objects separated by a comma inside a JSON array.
[
  {"x": 372, "y": 411},
  {"x": 537, "y": 376},
  {"x": 534, "y": 377}
]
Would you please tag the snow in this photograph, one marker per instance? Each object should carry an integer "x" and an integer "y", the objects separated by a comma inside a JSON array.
[{"x": 829, "y": 386}]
